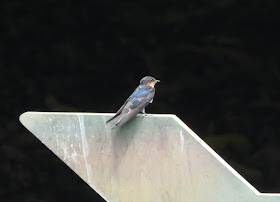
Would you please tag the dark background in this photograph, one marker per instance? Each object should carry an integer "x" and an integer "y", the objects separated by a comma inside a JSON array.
[{"x": 218, "y": 62}]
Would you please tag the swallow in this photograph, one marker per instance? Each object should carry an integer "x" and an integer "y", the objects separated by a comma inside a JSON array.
[{"x": 136, "y": 103}]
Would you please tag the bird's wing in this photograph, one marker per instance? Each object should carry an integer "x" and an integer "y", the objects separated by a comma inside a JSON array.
[
  {"x": 140, "y": 97},
  {"x": 137, "y": 101},
  {"x": 118, "y": 112},
  {"x": 138, "y": 93}
]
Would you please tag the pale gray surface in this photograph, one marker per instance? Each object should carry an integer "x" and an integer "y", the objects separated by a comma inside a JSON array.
[{"x": 153, "y": 158}]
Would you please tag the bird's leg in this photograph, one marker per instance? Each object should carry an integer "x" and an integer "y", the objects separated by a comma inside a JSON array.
[{"x": 143, "y": 112}]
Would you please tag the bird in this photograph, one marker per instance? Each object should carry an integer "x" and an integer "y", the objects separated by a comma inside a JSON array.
[{"x": 136, "y": 102}]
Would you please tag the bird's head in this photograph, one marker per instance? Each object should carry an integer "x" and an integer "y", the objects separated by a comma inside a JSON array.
[{"x": 149, "y": 81}]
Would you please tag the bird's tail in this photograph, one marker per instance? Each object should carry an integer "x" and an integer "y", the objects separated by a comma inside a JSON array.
[{"x": 112, "y": 118}]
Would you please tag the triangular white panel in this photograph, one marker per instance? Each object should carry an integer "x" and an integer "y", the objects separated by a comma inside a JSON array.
[{"x": 152, "y": 158}]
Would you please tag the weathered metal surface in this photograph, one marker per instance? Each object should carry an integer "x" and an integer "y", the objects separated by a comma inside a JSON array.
[{"x": 152, "y": 158}]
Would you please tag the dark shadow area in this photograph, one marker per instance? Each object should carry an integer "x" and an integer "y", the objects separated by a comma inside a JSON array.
[{"x": 218, "y": 62}]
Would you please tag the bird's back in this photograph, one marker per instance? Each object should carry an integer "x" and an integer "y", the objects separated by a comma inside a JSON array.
[{"x": 138, "y": 100}]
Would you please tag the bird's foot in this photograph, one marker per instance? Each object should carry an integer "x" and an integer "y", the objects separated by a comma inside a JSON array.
[{"x": 143, "y": 113}]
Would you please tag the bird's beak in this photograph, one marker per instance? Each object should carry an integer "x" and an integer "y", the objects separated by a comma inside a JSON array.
[{"x": 157, "y": 81}]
